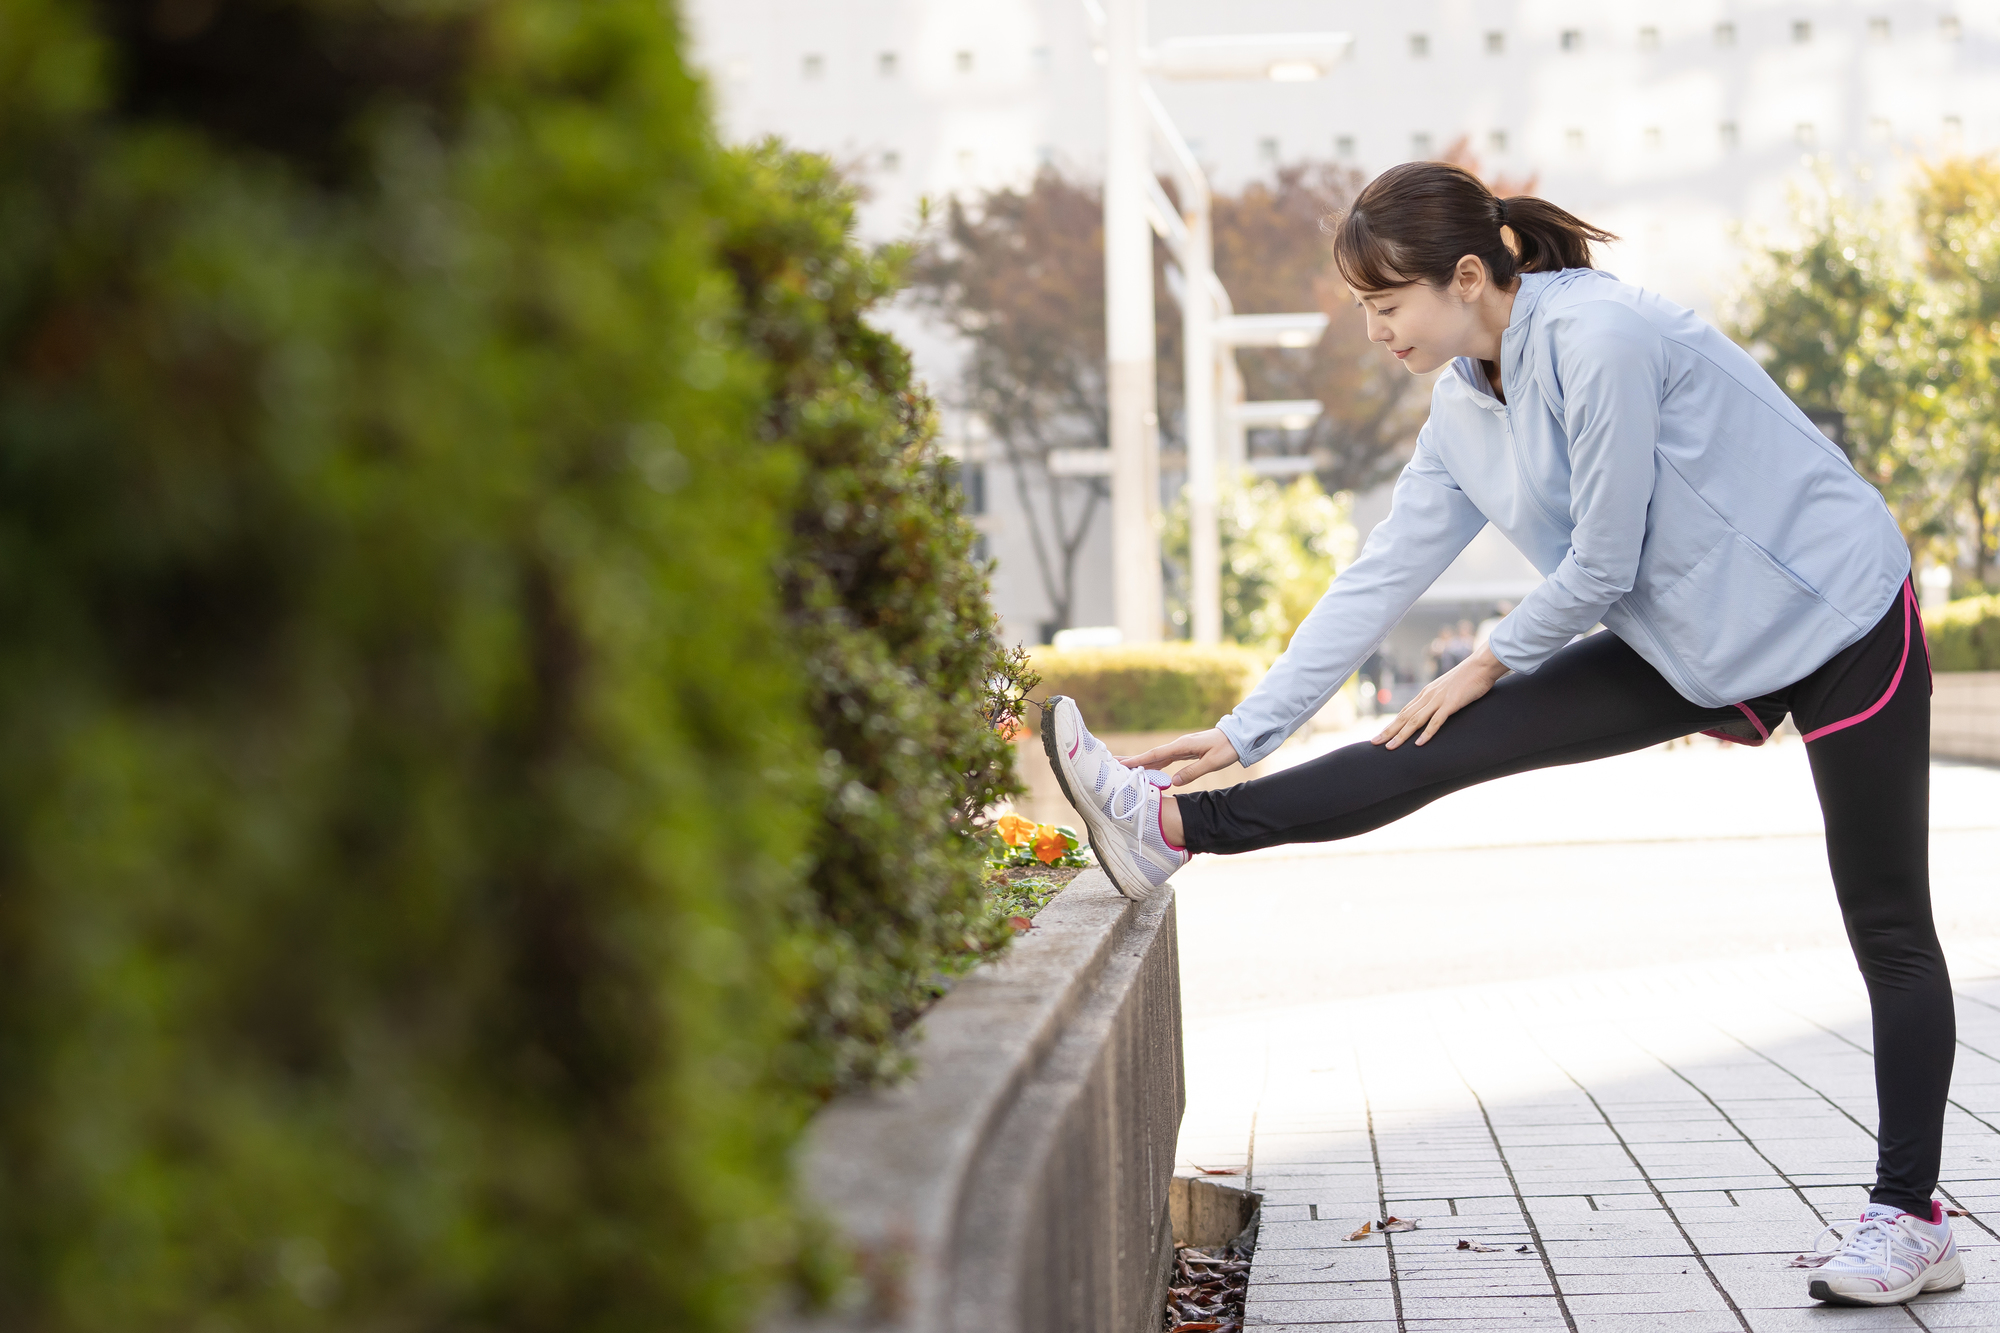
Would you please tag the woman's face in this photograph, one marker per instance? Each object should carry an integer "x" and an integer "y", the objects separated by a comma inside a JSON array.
[{"x": 1422, "y": 326}]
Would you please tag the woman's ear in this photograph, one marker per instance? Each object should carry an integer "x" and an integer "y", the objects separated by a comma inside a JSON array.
[{"x": 1469, "y": 279}]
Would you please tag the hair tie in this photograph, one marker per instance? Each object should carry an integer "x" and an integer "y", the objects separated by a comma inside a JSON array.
[{"x": 1503, "y": 212}]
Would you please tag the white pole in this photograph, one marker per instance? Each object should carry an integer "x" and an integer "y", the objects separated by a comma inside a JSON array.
[
  {"x": 1198, "y": 374},
  {"x": 1128, "y": 333}
]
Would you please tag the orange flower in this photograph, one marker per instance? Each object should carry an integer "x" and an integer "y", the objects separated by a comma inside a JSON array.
[
  {"x": 1049, "y": 844},
  {"x": 1016, "y": 831},
  {"x": 1009, "y": 727}
]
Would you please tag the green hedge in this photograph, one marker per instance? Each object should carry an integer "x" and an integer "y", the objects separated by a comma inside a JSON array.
[
  {"x": 1965, "y": 636},
  {"x": 889, "y": 611},
  {"x": 1156, "y": 687},
  {"x": 401, "y": 791}
]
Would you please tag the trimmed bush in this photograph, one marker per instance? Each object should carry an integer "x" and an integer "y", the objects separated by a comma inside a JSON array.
[
  {"x": 400, "y": 782},
  {"x": 1152, "y": 687},
  {"x": 888, "y": 609},
  {"x": 1965, "y": 636}
]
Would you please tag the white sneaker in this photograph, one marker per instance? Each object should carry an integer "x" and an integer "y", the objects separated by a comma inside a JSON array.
[
  {"x": 1120, "y": 806},
  {"x": 1888, "y": 1258}
]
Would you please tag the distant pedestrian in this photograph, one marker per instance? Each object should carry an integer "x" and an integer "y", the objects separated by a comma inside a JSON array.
[{"x": 1668, "y": 490}]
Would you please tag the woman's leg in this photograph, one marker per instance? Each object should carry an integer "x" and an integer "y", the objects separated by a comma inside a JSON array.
[
  {"x": 1873, "y": 776},
  {"x": 1594, "y": 698}
]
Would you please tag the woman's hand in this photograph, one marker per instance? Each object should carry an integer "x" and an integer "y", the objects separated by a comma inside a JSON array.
[
  {"x": 1205, "y": 751},
  {"x": 1442, "y": 697}
]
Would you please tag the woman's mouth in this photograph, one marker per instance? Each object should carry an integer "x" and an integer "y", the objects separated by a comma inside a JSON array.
[{"x": 1404, "y": 352}]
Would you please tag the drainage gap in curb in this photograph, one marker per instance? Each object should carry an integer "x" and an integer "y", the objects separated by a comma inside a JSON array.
[{"x": 1215, "y": 1232}]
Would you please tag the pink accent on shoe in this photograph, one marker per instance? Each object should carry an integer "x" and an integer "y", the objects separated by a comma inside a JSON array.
[
  {"x": 1909, "y": 599},
  {"x": 1077, "y": 746},
  {"x": 1160, "y": 814}
]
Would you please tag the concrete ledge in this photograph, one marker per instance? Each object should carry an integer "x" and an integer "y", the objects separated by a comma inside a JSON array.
[
  {"x": 1965, "y": 715},
  {"x": 1019, "y": 1182}
]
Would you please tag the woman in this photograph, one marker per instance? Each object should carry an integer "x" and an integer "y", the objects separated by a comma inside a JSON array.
[{"x": 1668, "y": 491}]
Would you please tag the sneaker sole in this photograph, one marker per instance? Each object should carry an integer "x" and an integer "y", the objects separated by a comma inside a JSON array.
[
  {"x": 1947, "y": 1276},
  {"x": 1116, "y": 866}
]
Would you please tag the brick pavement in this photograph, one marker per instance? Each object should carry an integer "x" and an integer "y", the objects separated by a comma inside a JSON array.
[{"x": 1641, "y": 1146}]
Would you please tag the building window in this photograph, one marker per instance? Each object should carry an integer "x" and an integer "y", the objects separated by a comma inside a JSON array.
[
  {"x": 1420, "y": 145},
  {"x": 964, "y": 62},
  {"x": 1496, "y": 141},
  {"x": 1801, "y": 32},
  {"x": 1572, "y": 39},
  {"x": 1878, "y": 31},
  {"x": 1496, "y": 43},
  {"x": 1949, "y": 29},
  {"x": 1420, "y": 45},
  {"x": 1573, "y": 140},
  {"x": 972, "y": 481},
  {"x": 1726, "y": 134},
  {"x": 1725, "y": 34},
  {"x": 885, "y": 64},
  {"x": 1652, "y": 136},
  {"x": 1804, "y": 135},
  {"x": 1343, "y": 145},
  {"x": 813, "y": 67},
  {"x": 1267, "y": 149},
  {"x": 892, "y": 161},
  {"x": 1649, "y": 39}
]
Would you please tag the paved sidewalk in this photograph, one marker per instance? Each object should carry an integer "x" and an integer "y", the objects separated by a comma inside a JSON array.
[{"x": 1629, "y": 1040}]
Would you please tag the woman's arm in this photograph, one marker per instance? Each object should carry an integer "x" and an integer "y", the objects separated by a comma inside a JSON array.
[
  {"x": 1612, "y": 367},
  {"x": 1430, "y": 521}
]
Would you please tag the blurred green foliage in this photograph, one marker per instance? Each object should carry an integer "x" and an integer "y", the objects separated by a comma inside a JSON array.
[
  {"x": 907, "y": 681},
  {"x": 1881, "y": 318},
  {"x": 1965, "y": 636},
  {"x": 1281, "y": 547},
  {"x": 1150, "y": 687},
  {"x": 495, "y": 700}
]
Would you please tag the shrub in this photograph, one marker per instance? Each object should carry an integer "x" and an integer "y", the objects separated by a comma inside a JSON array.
[
  {"x": 889, "y": 610},
  {"x": 1281, "y": 546},
  {"x": 1152, "y": 687},
  {"x": 398, "y": 733},
  {"x": 1965, "y": 636}
]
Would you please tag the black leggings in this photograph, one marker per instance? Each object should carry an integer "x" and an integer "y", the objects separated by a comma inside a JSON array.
[{"x": 1865, "y": 716}]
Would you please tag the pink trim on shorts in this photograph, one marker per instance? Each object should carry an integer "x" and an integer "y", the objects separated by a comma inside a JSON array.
[
  {"x": 1762, "y": 733},
  {"x": 1909, "y": 599}
]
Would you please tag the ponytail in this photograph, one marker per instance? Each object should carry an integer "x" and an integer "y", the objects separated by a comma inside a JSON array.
[{"x": 1414, "y": 223}]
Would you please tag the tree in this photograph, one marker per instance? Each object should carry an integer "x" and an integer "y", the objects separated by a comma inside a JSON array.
[
  {"x": 1019, "y": 275},
  {"x": 1844, "y": 320}
]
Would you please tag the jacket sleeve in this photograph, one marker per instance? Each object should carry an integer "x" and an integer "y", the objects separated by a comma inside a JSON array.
[
  {"x": 1430, "y": 521},
  {"x": 1611, "y": 368}
]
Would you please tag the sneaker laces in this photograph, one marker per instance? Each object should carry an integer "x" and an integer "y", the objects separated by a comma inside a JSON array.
[{"x": 1867, "y": 1243}]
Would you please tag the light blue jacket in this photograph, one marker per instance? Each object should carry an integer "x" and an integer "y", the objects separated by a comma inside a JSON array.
[{"x": 1658, "y": 479}]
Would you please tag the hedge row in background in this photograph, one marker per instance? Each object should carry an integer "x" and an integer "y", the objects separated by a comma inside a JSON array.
[
  {"x": 1152, "y": 687},
  {"x": 1965, "y": 636},
  {"x": 432, "y": 885}
]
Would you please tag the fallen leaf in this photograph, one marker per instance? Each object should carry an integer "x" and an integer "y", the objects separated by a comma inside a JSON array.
[
  {"x": 1807, "y": 1260},
  {"x": 1956, "y": 1212},
  {"x": 1220, "y": 1170},
  {"x": 1477, "y": 1248},
  {"x": 1529, "y": 1249},
  {"x": 1360, "y": 1232},
  {"x": 1397, "y": 1224},
  {"x": 1020, "y": 924}
]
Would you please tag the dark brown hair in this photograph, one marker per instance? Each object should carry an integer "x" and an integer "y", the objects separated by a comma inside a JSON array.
[{"x": 1414, "y": 223}]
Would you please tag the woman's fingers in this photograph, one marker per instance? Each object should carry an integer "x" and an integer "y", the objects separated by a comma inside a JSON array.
[
  {"x": 1201, "y": 764},
  {"x": 1161, "y": 755}
]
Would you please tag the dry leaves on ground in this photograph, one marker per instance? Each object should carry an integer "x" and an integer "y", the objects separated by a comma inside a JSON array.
[{"x": 1477, "y": 1248}]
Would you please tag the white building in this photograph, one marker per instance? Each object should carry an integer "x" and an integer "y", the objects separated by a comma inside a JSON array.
[{"x": 1681, "y": 127}]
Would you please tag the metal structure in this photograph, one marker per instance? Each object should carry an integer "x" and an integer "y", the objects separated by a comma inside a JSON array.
[{"x": 1135, "y": 209}]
